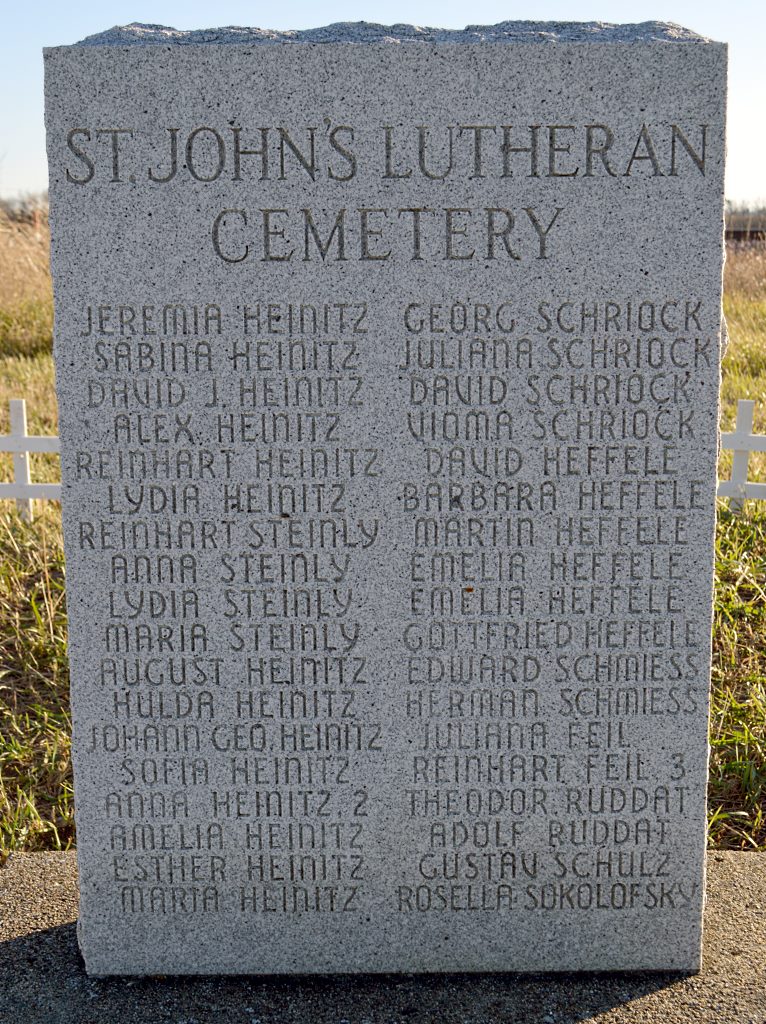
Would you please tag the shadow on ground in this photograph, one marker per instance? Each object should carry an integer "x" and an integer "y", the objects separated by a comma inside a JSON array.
[{"x": 43, "y": 981}]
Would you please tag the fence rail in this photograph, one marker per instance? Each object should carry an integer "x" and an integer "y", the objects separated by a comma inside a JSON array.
[
  {"x": 22, "y": 445},
  {"x": 742, "y": 441}
]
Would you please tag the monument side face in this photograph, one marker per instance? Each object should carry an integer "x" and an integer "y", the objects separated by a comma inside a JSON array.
[{"x": 388, "y": 382}]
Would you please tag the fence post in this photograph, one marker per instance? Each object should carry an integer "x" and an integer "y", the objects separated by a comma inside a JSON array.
[
  {"x": 741, "y": 460},
  {"x": 21, "y": 474}
]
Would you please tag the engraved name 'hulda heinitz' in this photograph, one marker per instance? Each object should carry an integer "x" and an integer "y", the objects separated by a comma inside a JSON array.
[{"x": 330, "y": 154}]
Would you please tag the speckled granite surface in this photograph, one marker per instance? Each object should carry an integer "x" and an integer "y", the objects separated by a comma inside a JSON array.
[{"x": 367, "y": 32}]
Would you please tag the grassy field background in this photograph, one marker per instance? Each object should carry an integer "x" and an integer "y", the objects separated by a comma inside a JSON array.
[{"x": 36, "y": 807}]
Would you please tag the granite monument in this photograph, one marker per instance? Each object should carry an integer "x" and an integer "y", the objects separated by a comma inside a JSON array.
[{"x": 388, "y": 367}]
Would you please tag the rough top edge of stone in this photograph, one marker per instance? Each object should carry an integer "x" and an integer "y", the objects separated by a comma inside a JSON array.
[{"x": 138, "y": 34}]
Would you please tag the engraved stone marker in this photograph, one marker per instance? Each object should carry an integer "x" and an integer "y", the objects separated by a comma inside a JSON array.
[{"x": 388, "y": 366}]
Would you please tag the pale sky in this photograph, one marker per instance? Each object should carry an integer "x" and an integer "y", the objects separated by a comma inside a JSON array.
[{"x": 29, "y": 26}]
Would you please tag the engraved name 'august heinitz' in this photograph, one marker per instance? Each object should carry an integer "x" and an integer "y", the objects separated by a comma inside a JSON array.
[{"x": 330, "y": 154}]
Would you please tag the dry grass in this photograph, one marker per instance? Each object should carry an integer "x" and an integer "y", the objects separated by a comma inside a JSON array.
[
  {"x": 30, "y": 377},
  {"x": 26, "y": 299},
  {"x": 744, "y": 366},
  {"x": 36, "y": 807},
  {"x": 35, "y": 772},
  {"x": 737, "y": 790}
]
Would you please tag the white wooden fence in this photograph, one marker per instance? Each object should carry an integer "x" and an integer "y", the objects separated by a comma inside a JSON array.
[
  {"x": 742, "y": 441},
  {"x": 22, "y": 445}
]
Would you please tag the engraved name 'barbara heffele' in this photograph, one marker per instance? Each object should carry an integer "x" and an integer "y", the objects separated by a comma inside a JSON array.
[{"x": 330, "y": 154}]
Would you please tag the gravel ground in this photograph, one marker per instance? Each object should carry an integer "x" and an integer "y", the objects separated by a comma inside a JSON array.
[{"x": 42, "y": 980}]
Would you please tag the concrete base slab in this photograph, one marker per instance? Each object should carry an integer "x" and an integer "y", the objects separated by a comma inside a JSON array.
[{"x": 42, "y": 979}]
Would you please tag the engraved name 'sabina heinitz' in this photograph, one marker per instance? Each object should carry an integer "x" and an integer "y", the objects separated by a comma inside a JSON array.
[{"x": 388, "y": 366}]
